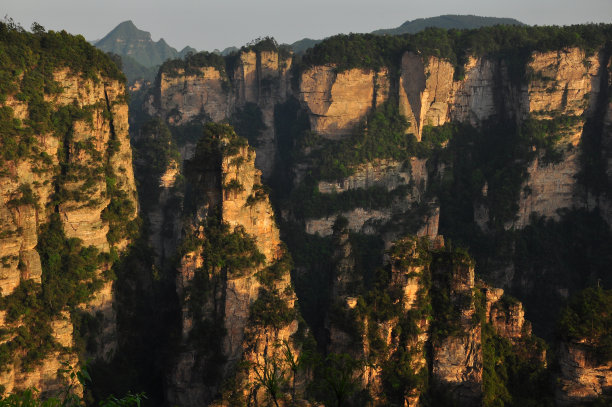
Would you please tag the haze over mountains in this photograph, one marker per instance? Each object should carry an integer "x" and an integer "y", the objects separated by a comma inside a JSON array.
[{"x": 141, "y": 56}]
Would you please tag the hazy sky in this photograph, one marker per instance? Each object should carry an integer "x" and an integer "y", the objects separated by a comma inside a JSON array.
[{"x": 207, "y": 24}]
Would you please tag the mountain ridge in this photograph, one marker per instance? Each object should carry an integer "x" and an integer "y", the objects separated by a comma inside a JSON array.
[
  {"x": 128, "y": 40},
  {"x": 445, "y": 21}
]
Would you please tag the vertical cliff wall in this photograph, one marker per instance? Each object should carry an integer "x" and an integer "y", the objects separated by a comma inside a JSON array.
[
  {"x": 233, "y": 279},
  {"x": 67, "y": 205},
  {"x": 339, "y": 101},
  {"x": 204, "y": 89},
  {"x": 506, "y": 151},
  {"x": 427, "y": 313}
]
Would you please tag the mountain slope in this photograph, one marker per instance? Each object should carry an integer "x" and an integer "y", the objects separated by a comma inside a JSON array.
[
  {"x": 447, "y": 21},
  {"x": 127, "y": 40}
]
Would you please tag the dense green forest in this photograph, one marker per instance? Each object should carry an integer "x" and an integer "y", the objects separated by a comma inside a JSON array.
[{"x": 513, "y": 43}]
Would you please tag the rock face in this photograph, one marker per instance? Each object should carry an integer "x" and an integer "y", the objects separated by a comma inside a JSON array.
[
  {"x": 263, "y": 78},
  {"x": 407, "y": 181},
  {"x": 247, "y": 341},
  {"x": 209, "y": 93},
  {"x": 565, "y": 82},
  {"x": 66, "y": 178},
  {"x": 382, "y": 173},
  {"x": 562, "y": 82},
  {"x": 457, "y": 358},
  {"x": 339, "y": 101},
  {"x": 474, "y": 96},
  {"x": 583, "y": 379},
  {"x": 429, "y": 92},
  {"x": 436, "y": 291},
  {"x": 425, "y": 90},
  {"x": 186, "y": 96}
]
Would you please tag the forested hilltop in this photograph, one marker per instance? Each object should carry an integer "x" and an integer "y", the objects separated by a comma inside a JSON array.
[{"x": 416, "y": 220}]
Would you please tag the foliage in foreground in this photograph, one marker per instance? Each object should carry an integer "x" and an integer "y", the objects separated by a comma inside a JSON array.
[{"x": 67, "y": 397}]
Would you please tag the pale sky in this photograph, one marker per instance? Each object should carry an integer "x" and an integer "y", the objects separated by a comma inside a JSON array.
[{"x": 207, "y": 24}]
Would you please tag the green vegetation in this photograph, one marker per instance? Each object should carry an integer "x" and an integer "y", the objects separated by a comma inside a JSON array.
[
  {"x": 267, "y": 44},
  {"x": 382, "y": 136},
  {"x": 512, "y": 43},
  {"x": 69, "y": 270},
  {"x": 71, "y": 273},
  {"x": 399, "y": 378},
  {"x": 310, "y": 203},
  {"x": 258, "y": 194},
  {"x": 28, "y": 62},
  {"x": 27, "y": 197},
  {"x": 37, "y": 56},
  {"x": 588, "y": 319},
  {"x": 247, "y": 121},
  {"x": 232, "y": 252},
  {"x": 224, "y": 254},
  {"x": 69, "y": 278},
  {"x": 447, "y": 305},
  {"x": 66, "y": 396},
  {"x": 276, "y": 271},
  {"x": 336, "y": 380},
  {"x": 545, "y": 135},
  {"x": 191, "y": 64},
  {"x": 153, "y": 153},
  {"x": 513, "y": 374},
  {"x": 271, "y": 310},
  {"x": 447, "y": 21},
  {"x": 46, "y": 51},
  {"x": 120, "y": 212},
  {"x": 496, "y": 155},
  {"x": 572, "y": 252}
]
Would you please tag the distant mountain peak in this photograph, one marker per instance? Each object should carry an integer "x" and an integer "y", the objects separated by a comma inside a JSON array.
[
  {"x": 447, "y": 21},
  {"x": 128, "y": 23},
  {"x": 127, "y": 40},
  {"x": 127, "y": 29}
]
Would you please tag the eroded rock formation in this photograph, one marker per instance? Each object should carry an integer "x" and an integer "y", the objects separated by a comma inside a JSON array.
[
  {"x": 78, "y": 174},
  {"x": 248, "y": 305}
]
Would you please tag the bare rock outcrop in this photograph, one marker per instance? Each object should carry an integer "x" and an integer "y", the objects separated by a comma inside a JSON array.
[
  {"x": 187, "y": 96},
  {"x": 339, "y": 101},
  {"x": 66, "y": 177},
  {"x": 237, "y": 298},
  {"x": 425, "y": 90},
  {"x": 407, "y": 180},
  {"x": 583, "y": 378}
]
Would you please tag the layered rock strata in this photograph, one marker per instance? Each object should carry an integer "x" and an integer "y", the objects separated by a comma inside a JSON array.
[
  {"x": 66, "y": 177},
  {"x": 426, "y": 281},
  {"x": 211, "y": 93},
  {"x": 247, "y": 343}
]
